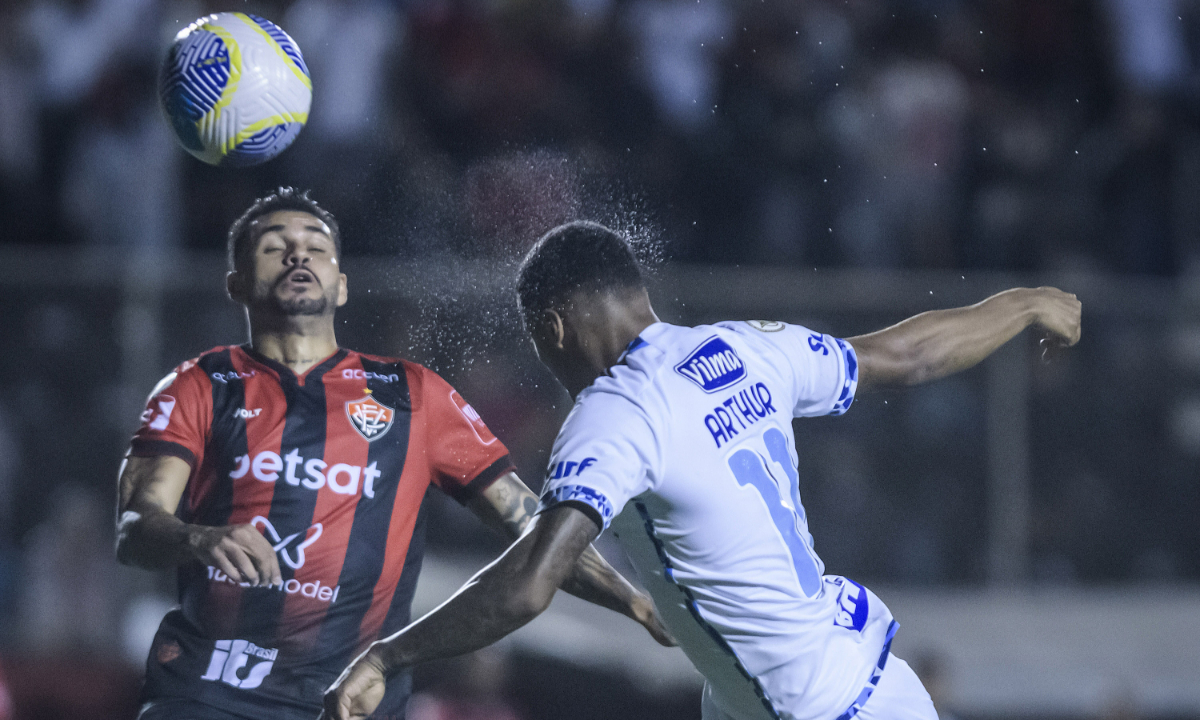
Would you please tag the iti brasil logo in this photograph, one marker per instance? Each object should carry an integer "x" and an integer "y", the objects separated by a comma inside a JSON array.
[{"x": 713, "y": 366}]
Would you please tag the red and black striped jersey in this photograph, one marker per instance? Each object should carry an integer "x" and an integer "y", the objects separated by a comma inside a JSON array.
[{"x": 331, "y": 466}]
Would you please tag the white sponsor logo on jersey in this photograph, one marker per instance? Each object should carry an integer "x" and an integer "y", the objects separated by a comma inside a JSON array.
[
  {"x": 231, "y": 657},
  {"x": 340, "y": 477},
  {"x": 300, "y": 540},
  {"x": 713, "y": 366},
  {"x": 315, "y": 589},
  {"x": 160, "y": 417},
  {"x": 355, "y": 374}
]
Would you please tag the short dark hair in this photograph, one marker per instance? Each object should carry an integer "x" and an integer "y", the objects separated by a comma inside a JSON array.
[
  {"x": 239, "y": 244},
  {"x": 577, "y": 256}
]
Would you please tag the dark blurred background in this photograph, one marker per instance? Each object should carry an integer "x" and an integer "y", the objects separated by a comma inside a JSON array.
[{"x": 838, "y": 163}]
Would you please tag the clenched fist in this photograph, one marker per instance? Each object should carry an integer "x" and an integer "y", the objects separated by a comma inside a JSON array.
[
  {"x": 1058, "y": 313},
  {"x": 239, "y": 551}
]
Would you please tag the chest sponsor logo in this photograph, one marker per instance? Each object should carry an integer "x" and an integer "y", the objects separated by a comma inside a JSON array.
[
  {"x": 371, "y": 418},
  {"x": 356, "y": 374},
  {"x": 341, "y": 478},
  {"x": 713, "y": 366},
  {"x": 225, "y": 378},
  {"x": 247, "y": 413},
  {"x": 291, "y": 548},
  {"x": 477, "y": 425},
  {"x": 158, "y": 415}
]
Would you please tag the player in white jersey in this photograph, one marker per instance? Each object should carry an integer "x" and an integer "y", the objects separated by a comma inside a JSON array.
[{"x": 680, "y": 440}]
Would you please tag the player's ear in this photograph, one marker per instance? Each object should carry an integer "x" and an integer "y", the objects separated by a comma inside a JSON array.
[
  {"x": 548, "y": 329},
  {"x": 343, "y": 291}
]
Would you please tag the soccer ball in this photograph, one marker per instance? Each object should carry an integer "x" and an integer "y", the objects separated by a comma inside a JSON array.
[{"x": 235, "y": 89}]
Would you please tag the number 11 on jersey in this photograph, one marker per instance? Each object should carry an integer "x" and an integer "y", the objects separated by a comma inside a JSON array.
[{"x": 750, "y": 468}]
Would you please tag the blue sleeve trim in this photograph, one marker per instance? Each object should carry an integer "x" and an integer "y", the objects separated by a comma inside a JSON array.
[
  {"x": 583, "y": 495},
  {"x": 850, "y": 385}
]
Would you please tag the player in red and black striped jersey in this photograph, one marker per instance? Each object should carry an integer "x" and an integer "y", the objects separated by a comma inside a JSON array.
[{"x": 284, "y": 479}]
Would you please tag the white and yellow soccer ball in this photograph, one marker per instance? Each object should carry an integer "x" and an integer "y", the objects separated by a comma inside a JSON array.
[{"x": 235, "y": 89}]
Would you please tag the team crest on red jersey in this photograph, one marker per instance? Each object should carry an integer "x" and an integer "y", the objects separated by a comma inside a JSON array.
[{"x": 371, "y": 418}]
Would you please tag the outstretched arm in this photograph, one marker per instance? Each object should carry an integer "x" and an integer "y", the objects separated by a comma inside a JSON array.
[
  {"x": 502, "y": 597},
  {"x": 507, "y": 505},
  {"x": 935, "y": 344}
]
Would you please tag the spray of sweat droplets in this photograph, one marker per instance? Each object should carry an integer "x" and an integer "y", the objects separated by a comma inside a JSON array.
[{"x": 466, "y": 311}]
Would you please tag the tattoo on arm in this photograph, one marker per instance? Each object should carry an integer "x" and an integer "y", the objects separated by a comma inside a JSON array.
[{"x": 506, "y": 506}]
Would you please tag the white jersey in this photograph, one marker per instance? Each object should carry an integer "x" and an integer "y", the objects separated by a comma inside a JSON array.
[{"x": 686, "y": 449}]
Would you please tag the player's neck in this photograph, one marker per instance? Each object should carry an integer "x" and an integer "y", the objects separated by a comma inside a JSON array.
[
  {"x": 605, "y": 337},
  {"x": 298, "y": 342}
]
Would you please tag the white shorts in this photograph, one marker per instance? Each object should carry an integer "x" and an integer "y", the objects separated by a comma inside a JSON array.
[{"x": 898, "y": 696}]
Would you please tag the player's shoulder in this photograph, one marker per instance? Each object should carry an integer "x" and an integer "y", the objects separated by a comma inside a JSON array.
[
  {"x": 423, "y": 382},
  {"x": 613, "y": 401},
  {"x": 768, "y": 335},
  {"x": 194, "y": 370},
  {"x": 195, "y": 366},
  {"x": 380, "y": 359},
  {"x": 383, "y": 367}
]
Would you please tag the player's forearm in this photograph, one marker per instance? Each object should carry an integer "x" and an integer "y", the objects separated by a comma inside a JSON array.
[
  {"x": 935, "y": 344},
  {"x": 508, "y": 507},
  {"x": 502, "y": 597},
  {"x": 153, "y": 539},
  {"x": 492, "y": 604},
  {"x": 594, "y": 580}
]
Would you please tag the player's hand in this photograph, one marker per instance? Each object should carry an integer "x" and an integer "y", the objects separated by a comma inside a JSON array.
[
  {"x": 357, "y": 691},
  {"x": 239, "y": 551},
  {"x": 1058, "y": 314},
  {"x": 646, "y": 614}
]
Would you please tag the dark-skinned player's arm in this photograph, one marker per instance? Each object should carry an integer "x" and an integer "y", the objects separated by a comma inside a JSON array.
[
  {"x": 502, "y": 597},
  {"x": 935, "y": 344},
  {"x": 508, "y": 506},
  {"x": 149, "y": 535}
]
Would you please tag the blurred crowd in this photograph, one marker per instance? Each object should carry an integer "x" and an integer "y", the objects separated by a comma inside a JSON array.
[
  {"x": 1001, "y": 134},
  {"x": 1020, "y": 135}
]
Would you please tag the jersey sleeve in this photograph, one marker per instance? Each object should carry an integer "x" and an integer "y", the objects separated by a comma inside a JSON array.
[
  {"x": 464, "y": 455},
  {"x": 177, "y": 417},
  {"x": 822, "y": 370},
  {"x": 604, "y": 455}
]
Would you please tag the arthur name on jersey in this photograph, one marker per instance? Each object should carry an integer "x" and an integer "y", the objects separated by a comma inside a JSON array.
[{"x": 741, "y": 410}]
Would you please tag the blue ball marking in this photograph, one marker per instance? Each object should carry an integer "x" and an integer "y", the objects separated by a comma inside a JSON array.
[
  {"x": 262, "y": 145},
  {"x": 193, "y": 77},
  {"x": 285, "y": 41}
]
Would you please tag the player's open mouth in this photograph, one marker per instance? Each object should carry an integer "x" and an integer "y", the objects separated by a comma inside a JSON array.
[{"x": 301, "y": 277}]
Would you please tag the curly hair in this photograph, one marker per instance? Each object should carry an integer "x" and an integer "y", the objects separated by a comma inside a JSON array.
[{"x": 577, "y": 256}]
